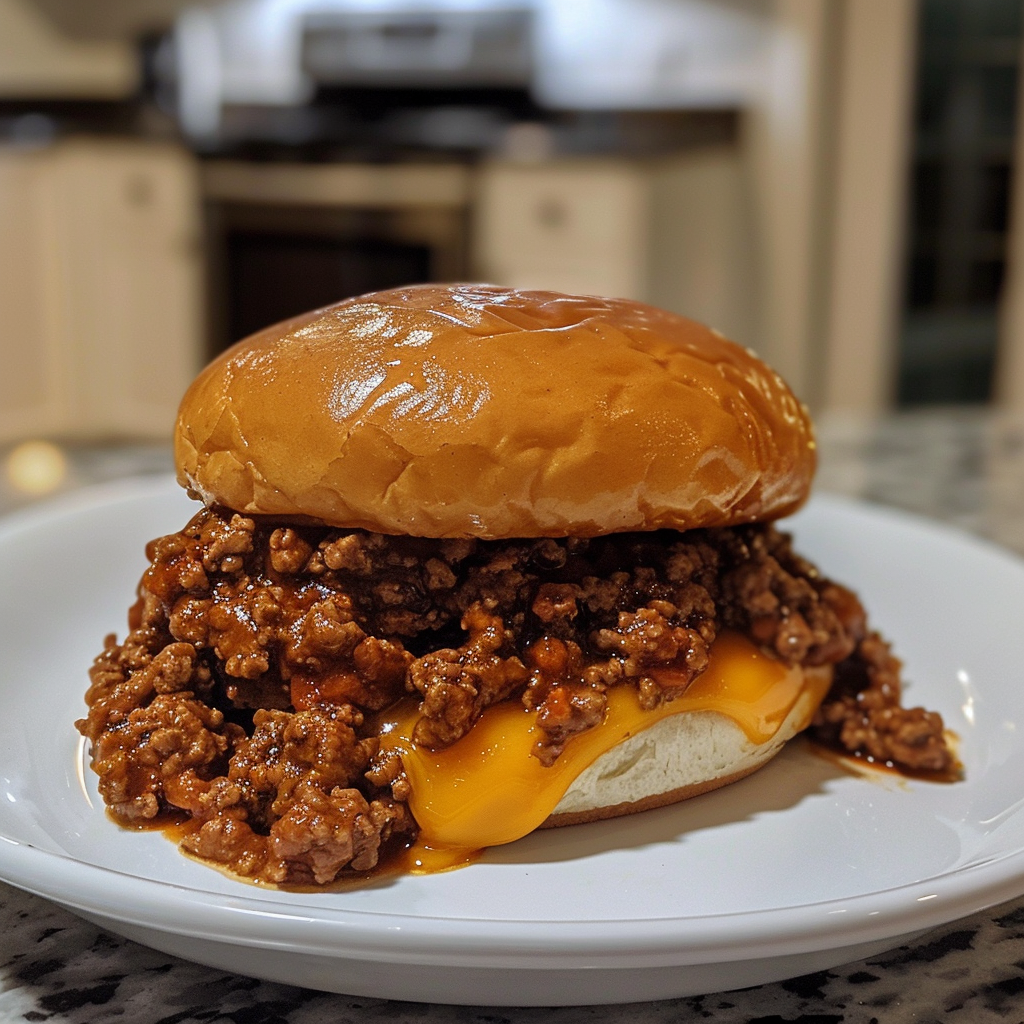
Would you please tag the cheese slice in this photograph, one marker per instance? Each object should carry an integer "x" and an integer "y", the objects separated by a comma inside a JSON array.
[{"x": 488, "y": 789}]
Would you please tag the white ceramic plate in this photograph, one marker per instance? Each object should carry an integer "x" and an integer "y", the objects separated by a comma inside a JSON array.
[{"x": 798, "y": 868}]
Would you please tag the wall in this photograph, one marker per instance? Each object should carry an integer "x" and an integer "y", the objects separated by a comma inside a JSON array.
[{"x": 38, "y": 61}]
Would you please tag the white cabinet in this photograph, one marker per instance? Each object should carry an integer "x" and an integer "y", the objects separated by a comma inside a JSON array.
[
  {"x": 674, "y": 232},
  {"x": 574, "y": 226},
  {"x": 100, "y": 288},
  {"x": 33, "y": 381}
]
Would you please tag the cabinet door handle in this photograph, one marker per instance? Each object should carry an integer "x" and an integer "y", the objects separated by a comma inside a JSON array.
[
  {"x": 552, "y": 213},
  {"x": 139, "y": 190}
]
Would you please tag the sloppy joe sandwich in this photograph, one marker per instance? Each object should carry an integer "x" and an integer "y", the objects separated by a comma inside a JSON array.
[{"x": 472, "y": 561}]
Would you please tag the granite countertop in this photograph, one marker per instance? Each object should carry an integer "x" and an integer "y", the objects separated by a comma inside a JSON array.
[{"x": 965, "y": 467}]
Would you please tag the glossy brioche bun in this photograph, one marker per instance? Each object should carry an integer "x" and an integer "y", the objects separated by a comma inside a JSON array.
[
  {"x": 479, "y": 411},
  {"x": 677, "y": 758}
]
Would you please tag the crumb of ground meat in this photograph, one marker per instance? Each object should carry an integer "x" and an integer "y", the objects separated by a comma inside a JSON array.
[
  {"x": 387, "y": 771},
  {"x": 255, "y": 648},
  {"x": 161, "y": 740},
  {"x": 225, "y": 544},
  {"x": 320, "y": 836},
  {"x": 228, "y": 840},
  {"x": 321, "y": 833},
  {"x": 777, "y": 597},
  {"x": 321, "y": 746},
  {"x": 555, "y": 601},
  {"x": 456, "y": 685},
  {"x": 566, "y": 710},
  {"x": 647, "y": 637},
  {"x": 119, "y": 688},
  {"x": 289, "y": 551},
  {"x": 863, "y": 715},
  {"x": 566, "y": 698}
]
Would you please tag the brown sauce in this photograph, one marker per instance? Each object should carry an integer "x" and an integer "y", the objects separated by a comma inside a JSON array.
[{"x": 861, "y": 765}]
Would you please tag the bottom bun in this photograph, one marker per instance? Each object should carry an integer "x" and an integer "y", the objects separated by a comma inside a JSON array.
[{"x": 677, "y": 758}]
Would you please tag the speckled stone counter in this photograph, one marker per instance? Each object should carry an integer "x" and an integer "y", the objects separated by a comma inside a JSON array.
[
  {"x": 57, "y": 968},
  {"x": 964, "y": 467}
]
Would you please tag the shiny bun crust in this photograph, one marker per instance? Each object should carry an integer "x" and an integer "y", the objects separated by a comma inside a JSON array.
[{"x": 478, "y": 411}]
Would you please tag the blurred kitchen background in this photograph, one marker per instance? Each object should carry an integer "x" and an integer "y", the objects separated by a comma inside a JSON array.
[{"x": 834, "y": 183}]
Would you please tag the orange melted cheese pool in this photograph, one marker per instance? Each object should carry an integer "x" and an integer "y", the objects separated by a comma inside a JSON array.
[{"x": 488, "y": 789}]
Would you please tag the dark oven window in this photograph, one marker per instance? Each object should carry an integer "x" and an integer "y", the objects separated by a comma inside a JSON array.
[
  {"x": 272, "y": 277},
  {"x": 273, "y": 263}
]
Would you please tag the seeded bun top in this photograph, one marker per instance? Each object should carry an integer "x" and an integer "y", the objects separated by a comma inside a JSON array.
[{"x": 479, "y": 411}]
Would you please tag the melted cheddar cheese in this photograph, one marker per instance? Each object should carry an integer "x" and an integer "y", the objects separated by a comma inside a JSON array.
[{"x": 488, "y": 789}]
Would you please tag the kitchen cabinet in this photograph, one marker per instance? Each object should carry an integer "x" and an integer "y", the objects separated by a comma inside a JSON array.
[
  {"x": 674, "y": 232},
  {"x": 102, "y": 306},
  {"x": 101, "y": 310}
]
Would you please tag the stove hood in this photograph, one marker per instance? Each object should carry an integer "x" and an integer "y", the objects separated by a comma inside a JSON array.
[{"x": 568, "y": 54}]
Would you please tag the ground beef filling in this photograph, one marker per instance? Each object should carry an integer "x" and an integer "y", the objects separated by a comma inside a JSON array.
[{"x": 258, "y": 651}]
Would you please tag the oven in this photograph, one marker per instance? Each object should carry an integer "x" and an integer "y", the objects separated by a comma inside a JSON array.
[{"x": 286, "y": 238}]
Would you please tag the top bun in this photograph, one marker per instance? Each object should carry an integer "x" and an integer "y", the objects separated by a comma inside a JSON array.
[{"x": 478, "y": 411}]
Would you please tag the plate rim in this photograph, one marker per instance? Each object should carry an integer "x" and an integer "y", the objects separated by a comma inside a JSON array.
[{"x": 359, "y": 934}]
